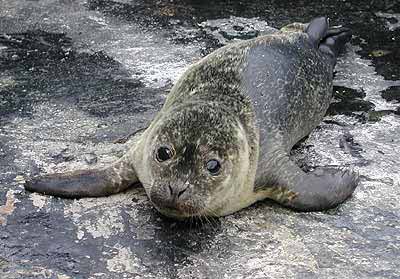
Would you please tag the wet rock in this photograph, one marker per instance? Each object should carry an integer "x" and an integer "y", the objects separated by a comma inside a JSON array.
[
  {"x": 47, "y": 70},
  {"x": 348, "y": 145},
  {"x": 392, "y": 94},
  {"x": 392, "y": 20},
  {"x": 235, "y": 28},
  {"x": 62, "y": 156},
  {"x": 344, "y": 93},
  {"x": 148, "y": 13},
  {"x": 351, "y": 102},
  {"x": 350, "y": 106},
  {"x": 90, "y": 158},
  {"x": 86, "y": 78},
  {"x": 4, "y": 235},
  {"x": 386, "y": 63},
  {"x": 375, "y": 116},
  {"x": 348, "y": 101}
]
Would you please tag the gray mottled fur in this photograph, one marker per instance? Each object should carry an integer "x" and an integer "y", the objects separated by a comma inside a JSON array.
[{"x": 247, "y": 104}]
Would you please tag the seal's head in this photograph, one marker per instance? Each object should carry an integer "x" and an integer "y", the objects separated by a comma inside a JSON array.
[{"x": 197, "y": 162}]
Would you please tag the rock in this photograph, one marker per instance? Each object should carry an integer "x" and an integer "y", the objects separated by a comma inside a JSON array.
[
  {"x": 375, "y": 116},
  {"x": 90, "y": 158},
  {"x": 348, "y": 101},
  {"x": 235, "y": 28},
  {"x": 392, "y": 94},
  {"x": 91, "y": 83}
]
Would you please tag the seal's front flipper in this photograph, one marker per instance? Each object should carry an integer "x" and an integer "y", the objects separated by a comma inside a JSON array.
[
  {"x": 85, "y": 183},
  {"x": 322, "y": 189}
]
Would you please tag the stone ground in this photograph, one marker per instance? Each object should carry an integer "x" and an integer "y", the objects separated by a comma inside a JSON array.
[{"x": 76, "y": 76}]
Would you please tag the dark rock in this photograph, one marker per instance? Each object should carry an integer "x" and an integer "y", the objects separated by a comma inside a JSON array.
[
  {"x": 348, "y": 101},
  {"x": 375, "y": 116},
  {"x": 344, "y": 93},
  {"x": 348, "y": 107},
  {"x": 392, "y": 94},
  {"x": 62, "y": 75}
]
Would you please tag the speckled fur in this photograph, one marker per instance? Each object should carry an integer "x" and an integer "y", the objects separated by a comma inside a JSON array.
[
  {"x": 246, "y": 105},
  {"x": 276, "y": 88}
]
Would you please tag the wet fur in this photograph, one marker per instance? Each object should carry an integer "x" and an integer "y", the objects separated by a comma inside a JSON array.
[{"x": 247, "y": 104}]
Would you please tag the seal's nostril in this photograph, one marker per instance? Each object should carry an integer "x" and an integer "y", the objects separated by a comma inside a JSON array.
[
  {"x": 181, "y": 192},
  {"x": 171, "y": 192}
]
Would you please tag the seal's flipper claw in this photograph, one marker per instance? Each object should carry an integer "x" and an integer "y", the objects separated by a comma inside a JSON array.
[
  {"x": 317, "y": 30},
  {"x": 84, "y": 183}
]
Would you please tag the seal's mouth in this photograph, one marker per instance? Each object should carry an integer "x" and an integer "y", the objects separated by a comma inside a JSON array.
[
  {"x": 178, "y": 212},
  {"x": 173, "y": 213},
  {"x": 174, "y": 204}
]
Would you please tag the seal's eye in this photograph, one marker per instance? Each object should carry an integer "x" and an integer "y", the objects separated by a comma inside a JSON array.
[
  {"x": 213, "y": 166},
  {"x": 163, "y": 154}
]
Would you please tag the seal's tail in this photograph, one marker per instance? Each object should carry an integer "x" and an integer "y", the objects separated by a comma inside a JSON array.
[{"x": 329, "y": 40}]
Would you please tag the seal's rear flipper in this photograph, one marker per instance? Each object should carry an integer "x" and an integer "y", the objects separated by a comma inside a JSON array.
[
  {"x": 335, "y": 41},
  {"x": 329, "y": 40},
  {"x": 85, "y": 183},
  {"x": 323, "y": 189},
  {"x": 317, "y": 29}
]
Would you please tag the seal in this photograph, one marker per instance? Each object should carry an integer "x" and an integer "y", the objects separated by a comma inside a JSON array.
[{"x": 222, "y": 139}]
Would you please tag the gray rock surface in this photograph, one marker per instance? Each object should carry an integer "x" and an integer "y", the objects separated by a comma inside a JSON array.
[
  {"x": 77, "y": 76},
  {"x": 234, "y": 28}
]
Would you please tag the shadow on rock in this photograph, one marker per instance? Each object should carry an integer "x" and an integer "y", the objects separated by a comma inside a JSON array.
[
  {"x": 176, "y": 243},
  {"x": 38, "y": 66}
]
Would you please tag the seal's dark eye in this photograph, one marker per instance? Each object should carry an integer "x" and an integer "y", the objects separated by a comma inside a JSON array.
[
  {"x": 163, "y": 154},
  {"x": 213, "y": 166}
]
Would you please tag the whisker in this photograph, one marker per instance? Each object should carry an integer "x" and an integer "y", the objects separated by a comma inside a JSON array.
[
  {"x": 210, "y": 213},
  {"x": 208, "y": 220}
]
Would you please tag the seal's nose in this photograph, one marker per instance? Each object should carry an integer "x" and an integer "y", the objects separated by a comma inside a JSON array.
[
  {"x": 175, "y": 197},
  {"x": 171, "y": 197},
  {"x": 176, "y": 192},
  {"x": 175, "y": 200}
]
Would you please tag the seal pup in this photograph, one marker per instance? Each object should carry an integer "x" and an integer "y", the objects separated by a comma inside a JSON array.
[{"x": 222, "y": 139}]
